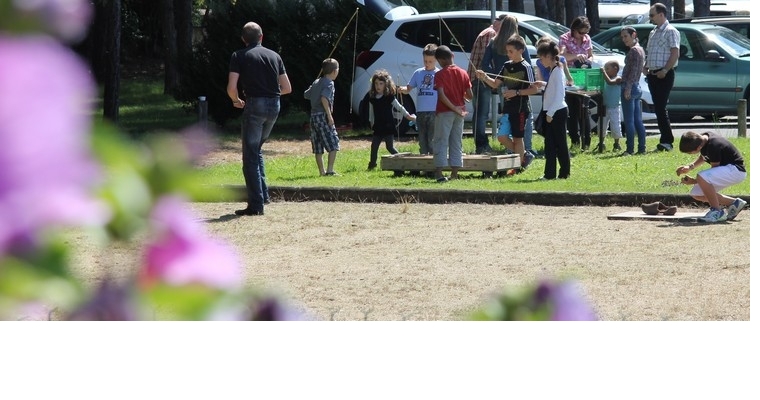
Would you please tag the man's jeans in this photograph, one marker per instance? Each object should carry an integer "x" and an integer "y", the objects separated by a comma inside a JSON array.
[{"x": 259, "y": 117}]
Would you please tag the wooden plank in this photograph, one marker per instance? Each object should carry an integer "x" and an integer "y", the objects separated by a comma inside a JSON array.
[
  {"x": 679, "y": 216},
  {"x": 470, "y": 162}
]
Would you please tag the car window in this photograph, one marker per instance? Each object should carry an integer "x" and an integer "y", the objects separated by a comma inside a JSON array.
[
  {"x": 420, "y": 33},
  {"x": 529, "y": 36},
  {"x": 549, "y": 27},
  {"x": 693, "y": 47},
  {"x": 616, "y": 43},
  {"x": 729, "y": 40},
  {"x": 739, "y": 27}
]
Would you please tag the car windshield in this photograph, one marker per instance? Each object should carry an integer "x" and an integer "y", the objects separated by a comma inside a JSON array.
[
  {"x": 730, "y": 40},
  {"x": 556, "y": 30}
]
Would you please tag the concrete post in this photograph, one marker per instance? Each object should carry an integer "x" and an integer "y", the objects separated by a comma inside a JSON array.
[
  {"x": 203, "y": 112},
  {"x": 741, "y": 108}
]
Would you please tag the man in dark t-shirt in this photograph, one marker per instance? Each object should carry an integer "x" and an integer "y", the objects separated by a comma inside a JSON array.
[{"x": 261, "y": 74}]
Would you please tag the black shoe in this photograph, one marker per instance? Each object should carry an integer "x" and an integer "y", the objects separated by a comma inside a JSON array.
[
  {"x": 249, "y": 211},
  {"x": 664, "y": 147},
  {"x": 371, "y": 166}
]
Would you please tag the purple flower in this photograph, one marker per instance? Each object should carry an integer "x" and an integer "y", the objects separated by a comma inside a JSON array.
[
  {"x": 46, "y": 168},
  {"x": 273, "y": 309},
  {"x": 110, "y": 302},
  {"x": 183, "y": 253},
  {"x": 565, "y": 300},
  {"x": 66, "y": 19}
]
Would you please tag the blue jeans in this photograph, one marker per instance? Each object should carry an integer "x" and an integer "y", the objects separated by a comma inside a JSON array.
[
  {"x": 634, "y": 124},
  {"x": 480, "y": 108},
  {"x": 259, "y": 117},
  {"x": 528, "y": 138}
]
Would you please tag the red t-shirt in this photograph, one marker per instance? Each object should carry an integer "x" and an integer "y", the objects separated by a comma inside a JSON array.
[{"x": 455, "y": 82}]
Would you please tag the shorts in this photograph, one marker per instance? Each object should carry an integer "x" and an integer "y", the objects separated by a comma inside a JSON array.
[
  {"x": 720, "y": 178},
  {"x": 516, "y": 124},
  {"x": 323, "y": 136}
]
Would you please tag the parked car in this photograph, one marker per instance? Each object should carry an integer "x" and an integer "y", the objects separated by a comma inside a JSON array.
[
  {"x": 388, "y": 9},
  {"x": 731, "y": 14},
  {"x": 399, "y": 48},
  {"x": 737, "y": 23},
  {"x": 713, "y": 69},
  {"x": 616, "y": 12}
]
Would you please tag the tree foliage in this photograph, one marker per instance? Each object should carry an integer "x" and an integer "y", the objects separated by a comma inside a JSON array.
[
  {"x": 196, "y": 41},
  {"x": 303, "y": 32}
]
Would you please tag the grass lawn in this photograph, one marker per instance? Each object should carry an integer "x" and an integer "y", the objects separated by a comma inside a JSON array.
[
  {"x": 145, "y": 109},
  {"x": 590, "y": 172}
]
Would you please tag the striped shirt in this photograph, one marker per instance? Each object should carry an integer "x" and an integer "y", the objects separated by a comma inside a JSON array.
[
  {"x": 661, "y": 40},
  {"x": 478, "y": 50}
]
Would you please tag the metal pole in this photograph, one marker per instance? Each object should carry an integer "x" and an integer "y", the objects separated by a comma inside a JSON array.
[
  {"x": 203, "y": 112},
  {"x": 494, "y": 98},
  {"x": 741, "y": 108}
]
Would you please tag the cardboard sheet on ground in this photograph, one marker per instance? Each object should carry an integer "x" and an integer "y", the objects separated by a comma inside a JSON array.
[{"x": 680, "y": 216}]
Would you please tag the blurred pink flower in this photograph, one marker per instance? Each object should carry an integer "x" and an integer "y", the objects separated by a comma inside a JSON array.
[
  {"x": 46, "y": 167},
  {"x": 66, "y": 19},
  {"x": 566, "y": 301},
  {"x": 184, "y": 254},
  {"x": 110, "y": 302}
]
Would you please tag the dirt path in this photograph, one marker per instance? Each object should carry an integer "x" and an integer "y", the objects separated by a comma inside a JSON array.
[{"x": 344, "y": 261}]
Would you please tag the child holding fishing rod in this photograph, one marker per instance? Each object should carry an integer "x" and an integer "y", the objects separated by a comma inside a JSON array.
[{"x": 517, "y": 79}]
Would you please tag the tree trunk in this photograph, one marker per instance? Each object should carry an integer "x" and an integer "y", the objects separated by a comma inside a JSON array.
[
  {"x": 574, "y": 8},
  {"x": 592, "y": 12},
  {"x": 113, "y": 60},
  {"x": 679, "y": 9},
  {"x": 701, "y": 8},
  {"x": 517, "y": 6},
  {"x": 183, "y": 15},
  {"x": 480, "y": 5},
  {"x": 171, "y": 77},
  {"x": 557, "y": 11},
  {"x": 542, "y": 9}
]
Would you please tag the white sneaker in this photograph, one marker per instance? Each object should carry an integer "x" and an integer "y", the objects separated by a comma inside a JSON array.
[
  {"x": 714, "y": 215},
  {"x": 734, "y": 209}
]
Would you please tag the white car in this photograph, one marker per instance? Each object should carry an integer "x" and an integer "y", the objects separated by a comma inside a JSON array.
[
  {"x": 617, "y": 12},
  {"x": 399, "y": 48}
]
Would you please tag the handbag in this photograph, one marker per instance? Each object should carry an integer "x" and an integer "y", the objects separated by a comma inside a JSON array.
[{"x": 539, "y": 123}]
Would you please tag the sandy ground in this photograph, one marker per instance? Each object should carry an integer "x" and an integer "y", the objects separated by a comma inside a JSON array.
[
  {"x": 411, "y": 261},
  {"x": 341, "y": 261}
]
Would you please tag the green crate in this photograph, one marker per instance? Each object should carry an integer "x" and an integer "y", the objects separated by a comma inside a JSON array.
[{"x": 587, "y": 78}]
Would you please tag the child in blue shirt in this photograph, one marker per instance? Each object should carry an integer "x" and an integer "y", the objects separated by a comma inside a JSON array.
[
  {"x": 611, "y": 98},
  {"x": 427, "y": 98}
]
